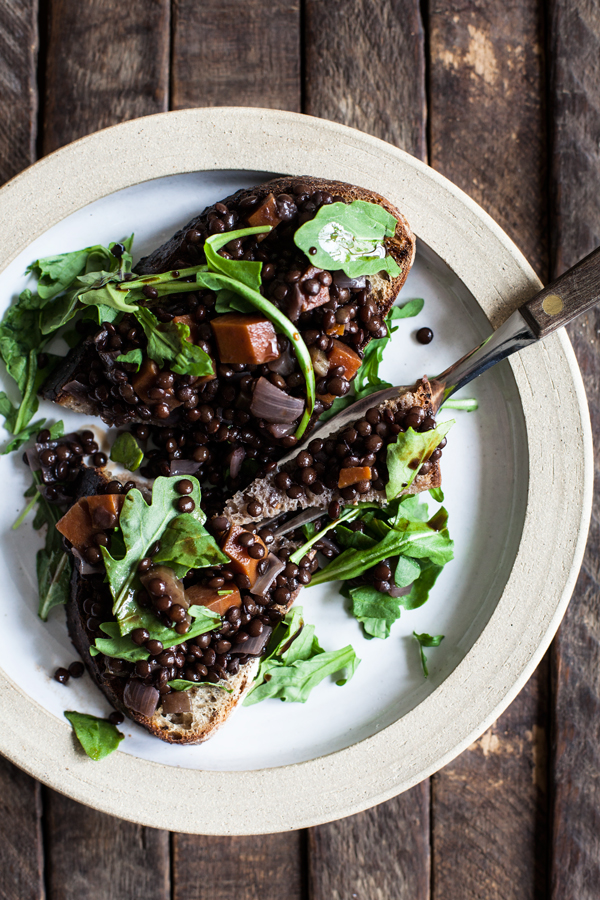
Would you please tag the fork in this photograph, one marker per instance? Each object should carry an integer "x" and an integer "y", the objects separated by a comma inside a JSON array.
[{"x": 575, "y": 292}]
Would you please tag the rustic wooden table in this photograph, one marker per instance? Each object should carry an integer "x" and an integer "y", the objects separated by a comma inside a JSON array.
[{"x": 504, "y": 99}]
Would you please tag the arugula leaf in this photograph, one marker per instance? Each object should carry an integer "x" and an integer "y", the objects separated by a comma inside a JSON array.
[
  {"x": 98, "y": 737},
  {"x": 119, "y": 646},
  {"x": 465, "y": 404},
  {"x": 411, "y": 538},
  {"x": 376, "y": 612},
  {"x": 52, "y": 562},
  {"x": 141, "y": 526},
  {"x": 180, "y": 684},
  {"x": 133, "y": 357},
  {"x": 349, "y": 236},
  {"x": 367, "y": 379},
  {"x": 349, "y": 513},
  {"x": 57, "y": 273},
  {"x": 292, "y": 668},
  {"x": 228, "y": 302},
  {"x": 186, "y": 545},
  {"x": 127, "y": 451},
  {"x": 246, "y": 271},
  {"x": 422, "y": 585},
  {"x": 427, "y": 640},
  {"x": 437, "y": 494},
  {"x": 408, "y": 452},
  {"x": 168, "y": 343}
]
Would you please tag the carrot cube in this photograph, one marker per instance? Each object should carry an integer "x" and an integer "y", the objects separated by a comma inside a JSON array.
[
  {"x": 241, "y": 561},
  {"x": 246, "y": 339},
  {"x": 353, "y": 475},
  {"x": 209, "y": 597}
]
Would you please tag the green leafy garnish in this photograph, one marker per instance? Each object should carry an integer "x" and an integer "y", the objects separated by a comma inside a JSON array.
[
  {"x": 119, "y": 646},
  {"x": 186, "y": 545},
  {"x": 134, "y": 358},
  {"x": 168, "y": 344},
  {"x": 403, "y": 534},
  {"x": 427, "y": 640},
  {"x": 52, "y": 562},
  {"x": 295, "y": 663},
  {"x": 141, "y": 526},
  {"x": 408, "y": 452},
  {"x": 98, "y": 737},
  {"x": 127, "y": 451},
  {"x": 351, "y": 237},
  {"x": 367, "y": 380},
  {"x": 348, "y": 514},
  {"x": 180, "y": 684},
  {"x": 29, "y": 324},
  {"x": 464, "y": 404},
  {"x": 376, "y": 612}
]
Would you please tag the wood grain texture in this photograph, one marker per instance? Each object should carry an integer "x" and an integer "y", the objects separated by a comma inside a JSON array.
[
  {"x": 21, "y": 863},
  {"x": 487, "y": 134},
  {"x": 381, "y": 854},
  {"x": 92, "y": 855},
  {"x": 487, "y": 115},
  {"x": 574, "y": 51},
  {"x": 227, "y": 53},
  {"x": 261, "y": 867},
  {"x": 106, "y": 62},
  {"x": 489, "y": 808},
  {"x": 18, "y": 87},
  {"x": 365, "y": 67}
]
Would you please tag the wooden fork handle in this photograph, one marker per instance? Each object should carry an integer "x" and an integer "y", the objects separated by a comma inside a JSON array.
[{"x": 566, "y": 298}]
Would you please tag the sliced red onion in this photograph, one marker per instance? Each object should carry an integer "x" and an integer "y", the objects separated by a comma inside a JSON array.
[
  {"x": 174, "y": 587},
  {"x": 183, "y": 467},
  {"x": 319, "y": 361},
  {"x": 254, "y": 646},
  {"x": 279, "y": 431},
  {"x": 295, "y": 303},
  {"x": 264, "y": 582},
  {"x": 284, "y": 364},
  {"x": 83, "y": 566},
  {"x": 341, "y": 280},
  {"x": 176, "y": 702},
  {"x": 140, "y": 698},
  {"x": 326, "y": 543},
  {"x": 274, "y": 405},
  {"x": 396, "y": 591},
  {"x": 108, "y": 358},
  {"x": 236, "y": 458},
  {"x": 76, "y": 388}
]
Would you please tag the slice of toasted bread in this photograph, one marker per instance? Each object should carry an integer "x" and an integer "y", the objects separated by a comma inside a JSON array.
[
  {"x": 211, "y": 705},
  {"x": 275, "y": 502},
  {"x": 63, "y": 386}
]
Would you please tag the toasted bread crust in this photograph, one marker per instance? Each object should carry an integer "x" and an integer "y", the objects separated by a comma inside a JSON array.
[
  {"x": 384, "y": 290},
  {"x": 275, "y": 502}
]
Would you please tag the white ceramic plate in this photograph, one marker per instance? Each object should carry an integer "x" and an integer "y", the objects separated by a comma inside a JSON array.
[{"x": 498, "y": 603}]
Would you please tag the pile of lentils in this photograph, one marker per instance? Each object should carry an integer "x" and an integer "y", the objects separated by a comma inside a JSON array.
[
  {"x": 363, "y": 444},
  {"x": 61, "y": 460},
  {"x": 210, "y": 421},
  {"x": 215, "y": 655}
]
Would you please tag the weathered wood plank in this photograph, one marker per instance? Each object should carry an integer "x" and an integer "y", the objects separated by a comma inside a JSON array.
[
  {"x": 92, "y": 855},
  {"x": 107, "y": 62},
  {"x": 260, "y": 867},
  {"x": 574, "y": 53},
  {"x": 487, "y": 135},
  {"x": 227, "y": 53},
  {"x": 18, "y": 88},
  {"x": 487, "y": 117},
  {"x": 489, "y": 808},
  {"x": 21, "y": 865},
  {"x": 382, "y": 854},
  {"x": 365, "y": 67}
]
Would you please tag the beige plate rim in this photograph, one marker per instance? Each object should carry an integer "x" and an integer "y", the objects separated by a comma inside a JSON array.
[{"x": 554, "y": 534}]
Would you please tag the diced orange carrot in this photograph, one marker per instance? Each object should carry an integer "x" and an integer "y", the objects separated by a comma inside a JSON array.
[
  {"x": 193, "y": 339},
  {"x": 311, "y": 301},
  {"x": 89, "y": 516},
  {"x": 247, "y": 339},
  {"x": 335, "y": 329},
  {"x": 353, "y": 475},
  {"x": 241, "y": 561},
  {"x": 209, "y": 597},
  {"x": 191, "y": 324},
  {"x": 343, "y": 355},
  {"x": 266, "y": 214}
]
